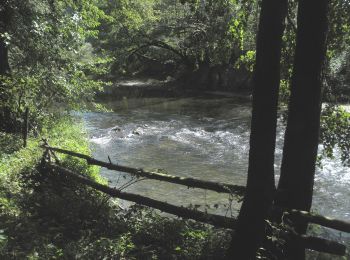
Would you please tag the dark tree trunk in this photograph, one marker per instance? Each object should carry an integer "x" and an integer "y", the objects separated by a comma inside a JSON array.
[
  {"x": 5, "y": 113},
  {"x": 260, "y": 184},
  {"x": 25, "y": 127},
  {"x": 5, "y": 15},
  {"x": 4, "y": 64},
  {"x": 301, "y": 138}
]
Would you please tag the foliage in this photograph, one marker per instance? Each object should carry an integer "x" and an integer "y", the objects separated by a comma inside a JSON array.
[
  {"x": 59, "y": 55},
  {"x": 284, "y": 93},
  {"x": 189, "y": 33},
  {"x": 337, "y": 74},
  {"x": 336, "y": 69},
  {"x": 274, "y": 247},
  {"x": 335, "y": 132},
  {"x": 129, "y": 20},
  {"x": 52, "y": 64}
]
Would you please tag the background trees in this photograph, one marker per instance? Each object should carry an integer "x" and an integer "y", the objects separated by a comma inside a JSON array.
[
  {"x": 50, "y": 59},
  {"x": 206, "y": 44},
  {"x": 176, "y": 37},
  {"x": 55, "y": 55}
]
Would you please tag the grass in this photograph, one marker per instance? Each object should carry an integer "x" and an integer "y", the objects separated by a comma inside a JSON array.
[{"x": 44, "y": 215}]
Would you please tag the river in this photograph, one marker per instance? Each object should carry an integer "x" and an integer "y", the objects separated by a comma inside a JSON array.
[{"x": 205, "y": 138}]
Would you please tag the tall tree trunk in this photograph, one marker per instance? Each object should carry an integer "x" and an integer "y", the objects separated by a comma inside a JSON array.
[
  {"x": 4, "y": 19},
  {"x": 4, "y": 65},
  {"x": 260, "y": 184},
  {"x": 5, "y": 112},
  {"x": 296, "y": 182}
]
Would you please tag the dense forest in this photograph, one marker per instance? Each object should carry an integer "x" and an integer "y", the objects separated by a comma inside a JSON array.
[{"x": 72, "y": 71}]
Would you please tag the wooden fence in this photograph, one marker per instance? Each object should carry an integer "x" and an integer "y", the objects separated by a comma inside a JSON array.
[{"x": 309, "y": 242}]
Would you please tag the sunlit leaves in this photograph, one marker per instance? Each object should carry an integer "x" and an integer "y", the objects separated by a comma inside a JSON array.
[
  {"x": 335, "y": 132},
  {"x": 203, "y": 31},
  {"x": 51, "y": 61}
]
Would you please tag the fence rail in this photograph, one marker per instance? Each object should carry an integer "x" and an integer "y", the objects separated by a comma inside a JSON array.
[
  {"x": 189, "y": 182},
  {"x": 309, "y": 242}
]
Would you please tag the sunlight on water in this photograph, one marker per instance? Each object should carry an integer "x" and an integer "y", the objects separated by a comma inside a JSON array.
[{"x": 101, "y": 140}]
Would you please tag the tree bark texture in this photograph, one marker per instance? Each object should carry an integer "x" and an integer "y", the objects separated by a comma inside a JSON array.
[
  {"x": 302, "y": 132},
  {"x": 5, "y": 14},
  {"x": 260, "y": 183},
  {"x": 4, "y": 65}
]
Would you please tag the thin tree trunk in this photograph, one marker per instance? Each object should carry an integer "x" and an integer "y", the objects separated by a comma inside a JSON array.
[
  {"x": 4, "y": 64},
  {"x": 25, "y": 127},
  {"x": 5, "y": 13},
  {"x": 302, "y": 133},
  {"x": 260, "y": 184}
]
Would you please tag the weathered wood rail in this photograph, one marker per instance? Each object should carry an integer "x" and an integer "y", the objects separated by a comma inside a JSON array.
[
  {"x": 189, "y": 182},
  {"x": 309, "y": 242},
  {"x": 318, "y": 219},
  {"x": 187, "y": 213}
]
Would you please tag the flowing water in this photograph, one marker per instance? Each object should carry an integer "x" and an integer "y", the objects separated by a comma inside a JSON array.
[{"x": 205, "y": 138}]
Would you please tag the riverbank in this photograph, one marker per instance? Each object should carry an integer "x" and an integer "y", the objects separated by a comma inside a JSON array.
[
  {"x": 47, "y": 216},
  {"x": 154, "y": 88}
]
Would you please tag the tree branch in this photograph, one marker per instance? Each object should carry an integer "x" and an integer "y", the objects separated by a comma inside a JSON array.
[
  {"x": 190, "y": 182},
  {"x": 215, "y": 220}
]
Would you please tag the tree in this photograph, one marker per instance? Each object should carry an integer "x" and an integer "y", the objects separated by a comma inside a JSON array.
[
  {"x": 260, "y": 183},
  {"x": 5, "y": 16},
  {"x": 295, "y": 186},
  {"x": 190, "y": 34},
  {"x": 46, "y": 45}
]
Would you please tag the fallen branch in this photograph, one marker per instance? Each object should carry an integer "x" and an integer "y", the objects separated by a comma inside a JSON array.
[
  {"x": 323, "y": 245},
  {"x": 163, "y": 45},
  {"x": 313, "y": 243},
  {"x": 318, "y": 244},
  {"x": 215, "y": 220},
  {"x": 189, "y": 182},
  {"x": 320, "y": 220}
]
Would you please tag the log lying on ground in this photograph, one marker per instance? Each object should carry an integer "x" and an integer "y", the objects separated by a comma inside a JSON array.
[
  {"x": 320, "y": 220},
  {"x": 186, "y": 213},
  {"x": 318, "y": 244},
  {"x": 323, "y": 245},
  {"x": 189, "y": 182},
  {"x": 313, "y": 243}
]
